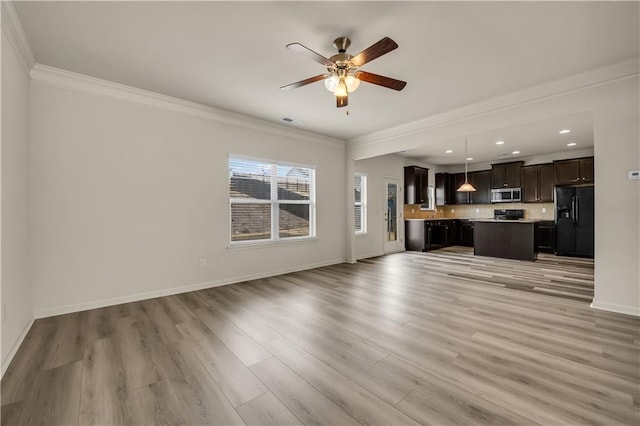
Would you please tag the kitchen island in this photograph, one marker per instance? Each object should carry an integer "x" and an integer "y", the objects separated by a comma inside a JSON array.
[{"x": 507, "y": 239}]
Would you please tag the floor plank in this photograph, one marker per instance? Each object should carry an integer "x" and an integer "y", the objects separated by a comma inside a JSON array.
[{"x": 442, "y": 337}]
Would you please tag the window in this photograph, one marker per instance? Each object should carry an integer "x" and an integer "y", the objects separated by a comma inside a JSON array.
[
  {"x": 270, "y": 201},
  {"x": 360, "y": 212}
]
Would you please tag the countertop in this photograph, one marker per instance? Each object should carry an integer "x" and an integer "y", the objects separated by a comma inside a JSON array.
[
  {"x": 506, "y": 220},
  {"x": 481, "y": 220}
]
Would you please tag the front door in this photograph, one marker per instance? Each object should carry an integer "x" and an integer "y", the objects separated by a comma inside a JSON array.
[{"x": 393, "y": 240}]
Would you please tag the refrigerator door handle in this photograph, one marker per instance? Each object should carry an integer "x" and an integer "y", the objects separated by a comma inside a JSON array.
[
  {"x": 573, "y": 209},
  {"x": 577, "y": 210}
]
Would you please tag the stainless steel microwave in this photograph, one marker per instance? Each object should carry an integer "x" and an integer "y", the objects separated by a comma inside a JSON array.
[{"x": 506, "y": 195}]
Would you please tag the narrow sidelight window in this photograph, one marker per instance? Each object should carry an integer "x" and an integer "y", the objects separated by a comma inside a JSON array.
[{"x": 360, "y": 206}]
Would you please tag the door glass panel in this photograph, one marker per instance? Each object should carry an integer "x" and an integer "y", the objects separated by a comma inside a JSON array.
[{"x": 392, "y": 212}]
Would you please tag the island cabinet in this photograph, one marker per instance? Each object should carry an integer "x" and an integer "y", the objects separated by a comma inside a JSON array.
[
  {"x": 573, "y": 172},
  {"x": 506, "y": 175},
  {"x": 416, "y": 185},
  {"x": 507, "y": 239},
  {"x": 537, "y": 183}
]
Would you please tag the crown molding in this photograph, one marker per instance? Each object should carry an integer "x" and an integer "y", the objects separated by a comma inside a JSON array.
[
  {"x": 532, "y": 94},
  {"x": 12, "y": 28},
  {"x": 62, "y": 79}
]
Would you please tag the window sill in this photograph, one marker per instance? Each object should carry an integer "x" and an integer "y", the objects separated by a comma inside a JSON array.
[{"x": 261, "y": 244}]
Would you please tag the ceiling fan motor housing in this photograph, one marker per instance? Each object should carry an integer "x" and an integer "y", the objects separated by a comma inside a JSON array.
[{"x": 342, "y": 44}]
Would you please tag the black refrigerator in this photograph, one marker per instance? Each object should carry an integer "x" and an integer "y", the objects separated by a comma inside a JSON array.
[{"x": 574, "y": 221}]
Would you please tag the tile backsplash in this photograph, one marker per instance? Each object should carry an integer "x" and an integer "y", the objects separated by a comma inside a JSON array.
[{"x": 542, "y": 211}]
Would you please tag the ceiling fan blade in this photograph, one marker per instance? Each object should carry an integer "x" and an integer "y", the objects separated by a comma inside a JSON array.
[
  {"x": 374, "y": 51},
  {"x": 380, "y": 80},
  {"x": 305, "y": 51},
  {"x": 304, "y": 82}
]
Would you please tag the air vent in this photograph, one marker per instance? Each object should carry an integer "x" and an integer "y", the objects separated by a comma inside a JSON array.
[
  {"x": 502, "y": 154},
  {"x": 292, "y": 121}
]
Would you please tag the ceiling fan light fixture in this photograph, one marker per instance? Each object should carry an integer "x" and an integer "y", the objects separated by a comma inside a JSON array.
[
  {"x": 341, "y": 89},
  {"x": 352, "y": 83},
  {"x": 342, "y": 101},
  {"x": 331, "y": 83}
]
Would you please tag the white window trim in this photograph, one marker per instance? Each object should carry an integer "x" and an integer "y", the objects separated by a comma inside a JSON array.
[
  {"x": 274, "y": 202},
  {"x": 363, "y": 204}
]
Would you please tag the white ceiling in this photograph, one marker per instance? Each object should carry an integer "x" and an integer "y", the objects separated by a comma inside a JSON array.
[
  {"x": 232, "y": 55},
  {"x": 529, "y": 140}
]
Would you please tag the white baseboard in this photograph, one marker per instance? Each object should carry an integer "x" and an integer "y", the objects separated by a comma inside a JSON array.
[
  {"x": 367, "y": 255},
  {"x": 620, "y": 309},
  {"x": 78, "y": 307},
  {"x": 16, "y": 346}
]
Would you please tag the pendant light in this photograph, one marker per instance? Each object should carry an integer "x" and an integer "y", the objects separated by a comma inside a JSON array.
[{"x": 466, "y": 186}]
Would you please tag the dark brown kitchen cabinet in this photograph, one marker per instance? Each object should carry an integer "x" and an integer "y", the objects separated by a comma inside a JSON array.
[
  {"x": 506, "y": 175},
  {"x": 546, "y": 236},
  {"x": 465, "y": 233},
  {"x": 573, "y": 172},
  {"x": 537, "y": 183},
  {"x": 481, "y": 181},
  {"x": 416, "y": 185},
  {"x": 425, "y": 235},
  {"x": 460, "y": 197},
  {"x": 445, "y": 193}
]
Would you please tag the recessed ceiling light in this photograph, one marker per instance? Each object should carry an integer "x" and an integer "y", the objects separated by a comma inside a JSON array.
[
  {"x": 564, "y": 131},
  {"x": 571, "y": 144},
  {"x": 516, "y": 152},
  {"x": 500, "y": 143},
  {"x": 448, "y": 151},
  {"x": 469, "y": 158}
]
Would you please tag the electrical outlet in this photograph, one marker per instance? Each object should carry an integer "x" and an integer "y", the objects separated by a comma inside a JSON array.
[
  {"x": 477, "y": 210},
  {"x": 203, "y": 263},
  {"x": 544, "y": 210},
  {"x": 453, "y": 210},
  {"x": 220, "y": 261}
]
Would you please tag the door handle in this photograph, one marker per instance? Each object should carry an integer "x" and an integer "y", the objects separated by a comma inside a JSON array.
[{"x": 577, "y": 212}]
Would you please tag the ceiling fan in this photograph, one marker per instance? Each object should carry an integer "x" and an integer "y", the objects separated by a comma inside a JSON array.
[{"x": 343, "y": 75}]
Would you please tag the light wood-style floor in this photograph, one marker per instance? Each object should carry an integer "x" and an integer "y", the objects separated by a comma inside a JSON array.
[{"x": 429, "y": 338}]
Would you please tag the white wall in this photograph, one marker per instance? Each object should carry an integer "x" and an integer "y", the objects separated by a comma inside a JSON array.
[
  {"x": 617, "y": 199},
  {"x": 376, "y": 169},
  {"x": 612, "y": 95},
  {"x": 125, "y": 199},
  {"x": 16, "y": 301}
]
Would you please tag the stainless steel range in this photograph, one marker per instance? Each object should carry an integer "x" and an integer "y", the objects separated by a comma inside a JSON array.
[{"x": 508, "y": 214}]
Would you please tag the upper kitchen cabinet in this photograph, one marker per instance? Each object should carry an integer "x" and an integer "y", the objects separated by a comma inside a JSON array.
[
  {"x": 460, "y": 197},
  {"x": 444, "y": 193},
  {"x": 537, "y": 183},
  {"x": 416, "y": 185},
  {"x": 481, "y": 181},
  {"x": 506, "y": 175},
  {"x": 573, "y": 172}
]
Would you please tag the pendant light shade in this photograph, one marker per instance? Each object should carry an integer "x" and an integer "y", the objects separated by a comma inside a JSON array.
[{"x": 466, "y": 186}]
